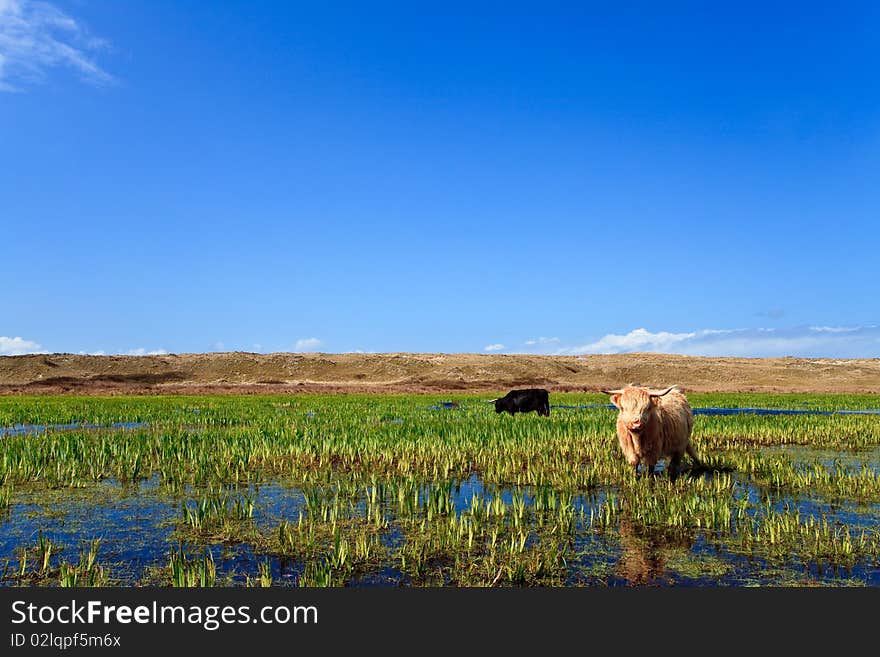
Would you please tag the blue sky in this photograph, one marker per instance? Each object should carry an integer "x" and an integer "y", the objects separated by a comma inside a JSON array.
[{"x": 548, "y": 178}]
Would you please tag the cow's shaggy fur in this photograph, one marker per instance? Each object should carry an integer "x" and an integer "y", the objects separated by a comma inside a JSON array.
[{"x": 652, "y": 425}]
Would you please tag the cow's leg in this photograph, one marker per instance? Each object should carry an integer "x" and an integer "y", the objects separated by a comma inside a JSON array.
[
  {"x": 693, "y": 454},
  {"x": 672, "y": 466},
  {"x": 633, "y": 460},
  {"x": 626, "y": 446}
]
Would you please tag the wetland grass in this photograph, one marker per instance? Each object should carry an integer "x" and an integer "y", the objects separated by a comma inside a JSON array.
[{"x": 334, "y": 490}]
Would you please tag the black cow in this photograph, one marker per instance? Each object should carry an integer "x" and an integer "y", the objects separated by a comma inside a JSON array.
[{"x": 524, "y": 401}]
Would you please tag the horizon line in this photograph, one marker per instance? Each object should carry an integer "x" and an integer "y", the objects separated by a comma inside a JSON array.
[{"x": 431, "y": 353}]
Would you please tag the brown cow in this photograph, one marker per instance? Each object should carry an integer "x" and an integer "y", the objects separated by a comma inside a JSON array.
[{"x": 653, "y": 424}]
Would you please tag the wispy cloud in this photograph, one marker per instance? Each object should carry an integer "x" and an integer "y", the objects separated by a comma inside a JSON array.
[
  {"x": 140, "y": 351},
  {"x": 637, "y": 340},
  {"x": 36, "y": 37},
  {"x": 493, "y": 347},
  {"x": 807, "y": 342},
  {"x": 307, "y": 344},
  {"x": 19, "y": 346},
  {"x": 542, "y": 342}
]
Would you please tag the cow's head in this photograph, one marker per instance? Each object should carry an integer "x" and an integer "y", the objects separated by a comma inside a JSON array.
[{"x": 636, "y": 405}]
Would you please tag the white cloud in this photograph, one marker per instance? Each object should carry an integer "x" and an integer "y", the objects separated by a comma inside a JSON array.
[
  {"x": 637, "y": 340},
  {"x": 542, "y": 342},
  {"x": 18, "y": 346},
  {"x": 140, "y": 351},
  {"x": 307, "y": 344},
  {"x": 36, "y": 37},
  {"x": 92, "y": 353},
  {"x": 807, "y": 342},
  {"x": 834, "y": 329},
  {"x": 493, "y": 347}
]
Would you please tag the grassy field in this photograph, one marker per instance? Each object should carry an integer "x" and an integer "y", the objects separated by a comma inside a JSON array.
[{"x": 337, "y": 490}]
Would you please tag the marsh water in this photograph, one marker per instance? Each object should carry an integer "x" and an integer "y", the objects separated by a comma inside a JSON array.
[
  {"x": 742, "y": 411},
  {"x": 136, "y": 525},
  {"x": 140, "y": 522},
  {"x": 29, "y": 429}
]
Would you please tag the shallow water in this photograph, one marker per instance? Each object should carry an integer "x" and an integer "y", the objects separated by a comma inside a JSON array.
[
  {"x": 140, "y": 524},
  {"x": 779, "y": 411},
  {"x": 445, "y": 406},
  {"x": 137, "y": 525},
  {"x": 828, "y": 458},
  {"x": 29, "y": 429},
  {"x": 739, "y": 411}
]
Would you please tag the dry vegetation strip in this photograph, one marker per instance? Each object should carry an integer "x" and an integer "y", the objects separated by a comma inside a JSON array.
[{"x": 411, "y": 373}]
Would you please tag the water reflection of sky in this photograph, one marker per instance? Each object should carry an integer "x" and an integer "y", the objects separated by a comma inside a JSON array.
[
  {"x": 136, "y": 525},
  {"x": 29, "y": 429}
]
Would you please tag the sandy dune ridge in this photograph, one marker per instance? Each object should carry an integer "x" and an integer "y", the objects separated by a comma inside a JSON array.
[{"x": 242, "y": 373}]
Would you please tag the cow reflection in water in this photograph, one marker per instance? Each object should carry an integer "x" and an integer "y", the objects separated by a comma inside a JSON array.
[{"x": 645, "y": 552}]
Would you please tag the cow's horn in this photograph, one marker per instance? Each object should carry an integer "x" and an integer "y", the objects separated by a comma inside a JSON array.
[
  {"x": 613, "y": 392},
  {"x": 660, "y": 393},
  {"x": 492, "y": 401}
]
